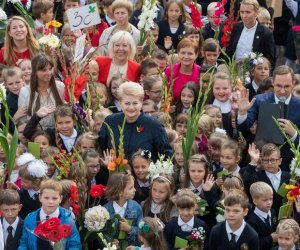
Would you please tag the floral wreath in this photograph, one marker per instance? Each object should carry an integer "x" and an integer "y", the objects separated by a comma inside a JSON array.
[{"x": 249, "y": 62}]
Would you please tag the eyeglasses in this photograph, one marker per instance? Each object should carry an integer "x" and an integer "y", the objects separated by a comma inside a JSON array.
[
  {"x": 156, "y": 92},
  {"x": 272, "y": 161}
]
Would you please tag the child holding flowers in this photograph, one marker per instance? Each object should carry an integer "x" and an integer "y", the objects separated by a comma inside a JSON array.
[
  {"x": 50, "y": 197},
  {"x": 182, "y": 228},
  {"x": 120, "y": 192}
]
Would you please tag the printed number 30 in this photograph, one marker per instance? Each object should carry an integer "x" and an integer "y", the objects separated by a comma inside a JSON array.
[{"x": 79, "y": 20}]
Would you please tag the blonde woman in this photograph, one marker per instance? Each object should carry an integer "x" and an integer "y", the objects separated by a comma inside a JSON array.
[
  {"x": 19, "y": 42},
  {"x": 141, "y": 130}
]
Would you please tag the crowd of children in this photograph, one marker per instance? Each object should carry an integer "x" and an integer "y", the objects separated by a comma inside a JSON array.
[{"x": 225, "y": 195}]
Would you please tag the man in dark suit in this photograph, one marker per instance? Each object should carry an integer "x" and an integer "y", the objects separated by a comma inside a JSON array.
[
  {"x": 283, "y": 82},
  {"x": 249, "y": 35}
]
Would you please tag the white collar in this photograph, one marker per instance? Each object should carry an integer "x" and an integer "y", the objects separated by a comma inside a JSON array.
[
  {"x": 238, "y": 232},
  {"x": 237, "y": 170},
  {"x": 110, "y": 20},
  {"x": 190, "y": 223},
  {"x": 72, "y": 136},
  {"x": 187, "y": 9},
  {"x": 192, "y": 187},
  {"x": 144, "y": 248},
  {"x": 262, "y": 214},
  {"x": 118, "y": 209},
  {"x": 224, "y": 106},
  {"x": 5, "y": 224},
  {"x": 255, "y": 86},
  {"x": 293, "y": 248},
  {"x": 287, "y": 101},
  {"x": 271, "y": 175},
  {"x": 155, "y": 208},
  {"x": 32, "y": 192},
  {"x": 143, "y": 184},
  {"x": 43, "y": 214},
  {"x": 252, "y": 28}
]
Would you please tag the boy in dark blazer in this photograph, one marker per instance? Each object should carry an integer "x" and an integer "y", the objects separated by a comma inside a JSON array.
[
  {"x": 12, "y": 225},
  {"x": 234, "y": 233},
  {"x": 271, "y": 173},
  {"x": 263, "y": 217}
]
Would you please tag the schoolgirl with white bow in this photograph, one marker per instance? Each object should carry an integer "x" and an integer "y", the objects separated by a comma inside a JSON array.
[
  {"x": 32, "y": 173},
  {"x": 139, "y": 163},
  {"x": 151, "y": 235},
  {"x": 181, "y": 226},
  {"x": 120, "y": 192},
  {"x": 64, "y": 135},
  {"x": 159, "y": 204}
]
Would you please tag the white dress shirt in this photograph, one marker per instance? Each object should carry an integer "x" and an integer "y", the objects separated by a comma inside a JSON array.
[
  {"x": 245, "y": 43},
  {"x": 293, "y": 248},
  {"x": 237, "y": 233},
  {"x": 5, "y": 225},
  {"x": 262, "y": 215},
  {"x": 186, "y": 226},
  {"x": 254, "y": 86},
  {"x": 275, "y": 179},
  {"x": 120, "y": 210},
  {"x": 69, "y": 141},
  {"x": 32, "y": 192},
  {"x": 199, "y": 189},
  {"x": 224, "y": 106},
  {"x": 43, "y": 215},
  {"x": 293, "y": 6},
  {"x": 1, "y": 237},
  {"x": 143, "y": 184}
]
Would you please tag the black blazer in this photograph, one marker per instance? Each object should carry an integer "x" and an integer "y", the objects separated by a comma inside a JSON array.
[
  {"x": 29, "y": 204},
  {"x": 252, "y": 91},
  {"x": 263, "y": 41},
  {"x": 263, "y": 229},
  {"x": 262, "y": 176},
  {"x": 219, "y": 240},
  {"x": 15, "y": 243}
]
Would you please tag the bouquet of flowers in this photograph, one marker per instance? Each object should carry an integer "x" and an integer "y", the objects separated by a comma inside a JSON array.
[
  {"x": 221, "y": 212},
  {"x": 293, "y": 192},
  {"x": 62, "y": 162},
  {"x": 96, "y": 218},
  {"x": 149, "y": 13},
  {"x": 196, "y": 16},
  {"x": 160, "y": 167},
  {"x": 197, "y": 238},
  {"x": 49, "y": 43},
  {"x": 202, "y": 205},
  {"x": 53, "y": 231},
  {"x": 118, "y": 162}
]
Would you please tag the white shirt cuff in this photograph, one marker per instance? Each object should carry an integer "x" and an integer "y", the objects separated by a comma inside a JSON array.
[
  {"x": 294, "y": 137},
  {"x": 241, "y": 118}
]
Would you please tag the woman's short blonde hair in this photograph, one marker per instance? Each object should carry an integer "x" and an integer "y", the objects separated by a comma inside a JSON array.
[
  {"x": 131, "y": 88},
  {"x": 122, "y": 4},
  {"x": 254, "y": 3},
  {"x": 127, "y": 37}
]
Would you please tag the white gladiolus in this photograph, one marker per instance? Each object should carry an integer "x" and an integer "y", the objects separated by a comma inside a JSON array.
[
  {"x": 160, "y": 167},
  {"x": 96, "y": 218},
  {"x": 3, "y": 15},
  {"x": 110, "y": 247},
  {"x": 220, "y": 218}
]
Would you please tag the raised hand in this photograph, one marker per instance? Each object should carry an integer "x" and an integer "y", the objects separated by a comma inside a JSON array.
[
  {"x": 44, "y": 111},
  {"x": 168, "y": 42},
  {"x": 209, "y": 182},
  {"x": 243, "y": 103},
  {"x": 20, "y": 113},
  {"x": 287, "y": 126},
  {"x": 253, "y": 153},
  {"x": 107, "y": 157}
]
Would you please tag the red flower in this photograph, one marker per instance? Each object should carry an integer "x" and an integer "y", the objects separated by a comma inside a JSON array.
[
  {"x": 54, "y": 235},
  {"x": 24, "y": 2},
  {"x": 196, "y": 16},
  {"x": 75, "y": 209},
  {"x": 97, "y": 191},
  {"x": 52, "y": 223},
  {"x": 296, "y": 28},
  {"x": 79, "y": 86},
  {"x": 139, "y": 129},
  {"x": 41, "y": 230},
  {"x": 74, "y": 193},
  {"x": 65, "y": 230}
]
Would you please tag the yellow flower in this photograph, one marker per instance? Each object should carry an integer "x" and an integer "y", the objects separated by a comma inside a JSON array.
[
  {"x": 289, "y": 187},
  {"x": 54, "y": 24},
  {"x": 290, "y": 197}
]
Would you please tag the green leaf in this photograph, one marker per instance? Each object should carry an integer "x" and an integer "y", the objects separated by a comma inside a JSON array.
[{"x": 12, "y": 151}]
